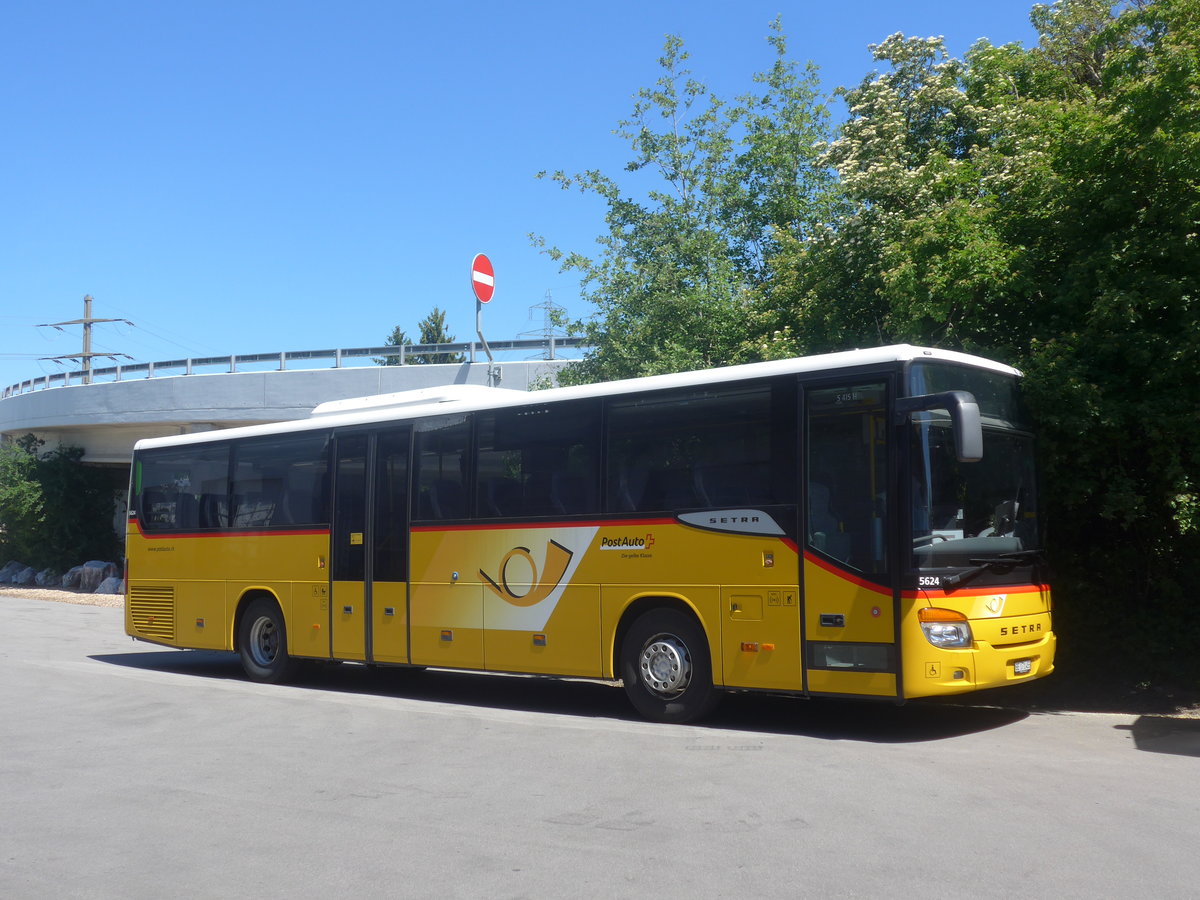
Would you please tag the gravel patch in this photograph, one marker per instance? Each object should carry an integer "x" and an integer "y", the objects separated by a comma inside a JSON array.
[{"x": 58, "y": 595}]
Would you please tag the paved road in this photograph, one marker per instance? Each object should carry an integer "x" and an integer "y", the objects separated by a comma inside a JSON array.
[{"x": 133, "y": 771}]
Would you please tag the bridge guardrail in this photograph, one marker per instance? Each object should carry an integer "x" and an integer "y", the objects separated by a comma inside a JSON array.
[{"x": 340, "y": 357}]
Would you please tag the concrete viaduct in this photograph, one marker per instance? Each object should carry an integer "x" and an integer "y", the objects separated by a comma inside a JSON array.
[{"x": 105, "y": 411}]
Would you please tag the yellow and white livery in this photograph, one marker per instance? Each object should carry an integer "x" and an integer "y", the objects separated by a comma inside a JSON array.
[{"x": 856, "y": 524}]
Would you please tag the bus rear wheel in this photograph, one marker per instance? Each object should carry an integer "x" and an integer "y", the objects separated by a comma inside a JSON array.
[
  {"x": 262, "y": 643},
  {"x": 666, "y": 669}
]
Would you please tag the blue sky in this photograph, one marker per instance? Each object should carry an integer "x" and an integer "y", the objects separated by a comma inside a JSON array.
[{"x": 245, "y": 177}]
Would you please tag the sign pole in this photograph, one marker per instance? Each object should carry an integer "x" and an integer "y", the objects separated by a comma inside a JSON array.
[
  {"x": 479, "y": 330},
  {"x": 483, "y": 285}
]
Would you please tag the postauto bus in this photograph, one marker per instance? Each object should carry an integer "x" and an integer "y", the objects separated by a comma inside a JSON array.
[{"x": 858, "y": 524}]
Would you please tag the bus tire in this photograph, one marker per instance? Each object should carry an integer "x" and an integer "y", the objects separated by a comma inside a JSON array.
[
  {"x": 666, "y": 669},
  {"x": 262, "y": 643}
]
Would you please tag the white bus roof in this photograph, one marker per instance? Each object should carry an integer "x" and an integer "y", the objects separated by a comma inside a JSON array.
[{"x": 469, "y": 398}]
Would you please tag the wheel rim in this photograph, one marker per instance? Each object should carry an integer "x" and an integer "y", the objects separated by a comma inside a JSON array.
[
  {"x": 665, "y": 666},
  {"x": 264, "y": 641}
]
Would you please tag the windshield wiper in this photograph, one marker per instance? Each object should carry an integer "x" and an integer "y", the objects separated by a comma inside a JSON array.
[{"x": 1001, "y": 563}]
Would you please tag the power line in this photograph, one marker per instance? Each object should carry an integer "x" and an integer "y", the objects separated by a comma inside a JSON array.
[
  {"x": 85, "y": 358},
  {"x": 169, "y": 337},
  {"x": 552, "y": 315}
]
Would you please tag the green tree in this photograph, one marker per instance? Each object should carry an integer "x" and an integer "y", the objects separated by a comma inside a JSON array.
[
  {"x": 79, "y": 508},
  {"x": 398, "y": 338},
  {"x": 432, "y": 330},
  {"x": 55, "y": 512},
  {"x": 678, "y": 273},
  {"x": 21, "y": 507},
  {"x": 1040, "y": 206}
]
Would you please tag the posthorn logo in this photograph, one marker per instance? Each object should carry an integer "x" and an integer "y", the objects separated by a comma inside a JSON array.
[{"x": 523, "y": 585}]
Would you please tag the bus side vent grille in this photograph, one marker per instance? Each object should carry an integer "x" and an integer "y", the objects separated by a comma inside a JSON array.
[{"x": 152, "y": 610}]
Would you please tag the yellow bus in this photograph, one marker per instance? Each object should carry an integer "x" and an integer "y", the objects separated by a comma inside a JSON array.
[{"x": 857, "y": 524}]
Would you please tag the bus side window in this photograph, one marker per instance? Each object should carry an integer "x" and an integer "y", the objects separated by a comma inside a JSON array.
[
  {"x": 440, "y": 456},
  {"x": 729, "y": 446},
  {"x": 278, "y": 481},
  {"x": 538, "y": 461},
  {"x": 390, "y": 528},
  {"x": 180, "y": 484}
]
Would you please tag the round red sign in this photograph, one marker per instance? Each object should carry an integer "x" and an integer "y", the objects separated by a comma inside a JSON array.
[{"x": 483, "y": 278}]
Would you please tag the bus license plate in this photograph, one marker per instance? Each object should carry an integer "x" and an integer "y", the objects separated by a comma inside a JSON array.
[{"x": 1022, "y": 666}]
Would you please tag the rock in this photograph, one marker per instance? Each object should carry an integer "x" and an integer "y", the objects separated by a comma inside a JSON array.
[
  {"x": 71, "y": 579},
  {"x": 11, "y": 568},
  {"x": 47, "y": 578},
  {"x": 25, "y": 576},
  {"x": 111, "y": 585},
  {"x": 93, "y": 572}
]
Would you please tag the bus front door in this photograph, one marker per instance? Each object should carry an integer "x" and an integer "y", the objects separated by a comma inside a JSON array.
[
  {"x": 849, "y": 616},
  {"x": 369, "y": 554}
]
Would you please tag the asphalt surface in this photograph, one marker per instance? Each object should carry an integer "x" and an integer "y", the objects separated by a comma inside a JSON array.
[{"x": 134, "y": 771}]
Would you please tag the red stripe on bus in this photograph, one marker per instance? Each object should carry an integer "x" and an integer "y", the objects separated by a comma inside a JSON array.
[
  {"x": 525, "y": 526},
  {"x": 813, "y": 559},
  {"x": 240, "y": 532},
  {"x": 978, "y": 592}
]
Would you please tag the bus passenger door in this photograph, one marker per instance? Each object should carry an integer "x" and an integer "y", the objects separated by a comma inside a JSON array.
[
  {"x": 348, "y": 612},
  {"x": 369, "y": 579},
  {"x": 849, "y": 611},
  {"x": 388, "y": 562}
]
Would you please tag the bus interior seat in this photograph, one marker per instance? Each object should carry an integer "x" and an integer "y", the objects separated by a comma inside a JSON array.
[
  {"x": 502, "y": 497},
  {"x": 1004, "y": 520},
  {"x": 628, "y": 494},
  {"x": 296, "y": 500},
  {"x": 538, "y": 494},
  {"x": 187, "y": 511},
  {"x": 446, "y": 500},
  {"x": 571, "y": 494},
  {"x": 158, "y": 508},
  {"x": 213, "y": 511}
]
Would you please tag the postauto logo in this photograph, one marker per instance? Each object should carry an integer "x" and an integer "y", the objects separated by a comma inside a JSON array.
[{"x": 627, "y": 543}]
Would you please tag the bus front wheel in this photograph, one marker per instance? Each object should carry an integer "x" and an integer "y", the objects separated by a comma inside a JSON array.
[
  {"x": 666, "y": 669},
  {"x": 262, "y": 643}
]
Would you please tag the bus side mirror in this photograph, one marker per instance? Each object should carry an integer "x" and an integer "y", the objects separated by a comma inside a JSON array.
[{"x": 964, "y": 416}]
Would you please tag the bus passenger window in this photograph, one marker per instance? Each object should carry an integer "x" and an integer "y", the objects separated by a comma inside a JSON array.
[
  {"x": 185, "y": 488},
  {"x": 390, "y": 527},
  {"x": 727, "y": 447},
  {"x": 440, "y": 457},
  {"x": 281, "y": 481},
  {"x": 539, "y": 461}
]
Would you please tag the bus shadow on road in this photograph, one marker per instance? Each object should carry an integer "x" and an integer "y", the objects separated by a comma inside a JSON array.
[
  {"x": 204, "y": 663},
  {"x": 822, "y": 718}
]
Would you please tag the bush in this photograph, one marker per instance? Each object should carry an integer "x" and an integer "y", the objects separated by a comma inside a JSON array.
[{"x": 54, "y": 509}]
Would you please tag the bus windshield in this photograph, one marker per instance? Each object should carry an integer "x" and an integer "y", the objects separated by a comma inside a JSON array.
[{"x": 971, "y": 510}]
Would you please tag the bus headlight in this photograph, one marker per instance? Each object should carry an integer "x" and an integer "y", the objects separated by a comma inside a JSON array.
[{"x": 945, "y": 627}]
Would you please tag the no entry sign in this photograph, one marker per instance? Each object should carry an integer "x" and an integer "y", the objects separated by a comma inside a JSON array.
[{"x": 483, "y": 278}]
